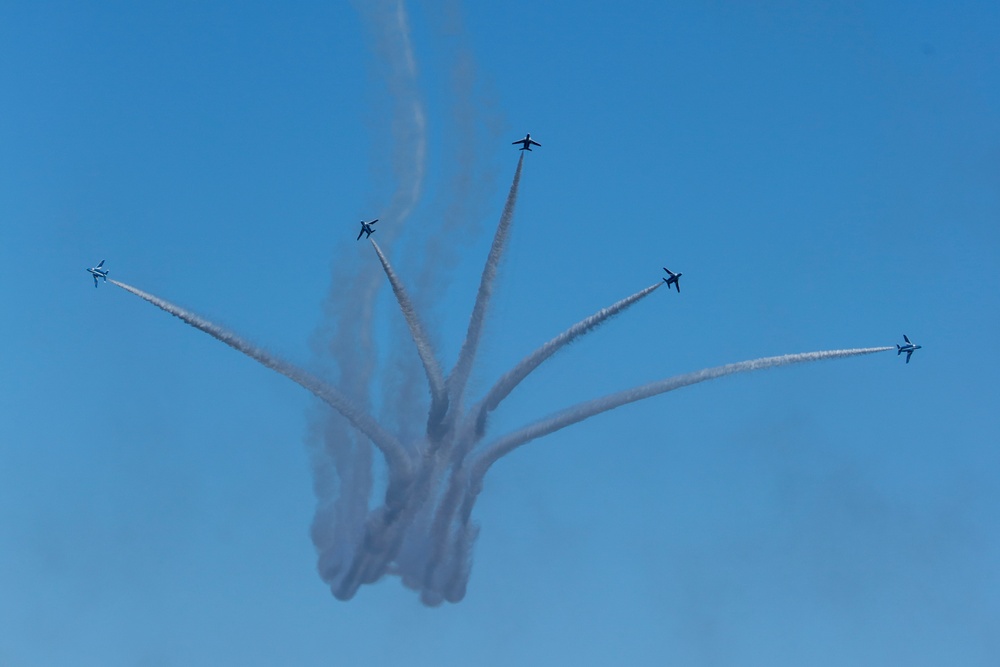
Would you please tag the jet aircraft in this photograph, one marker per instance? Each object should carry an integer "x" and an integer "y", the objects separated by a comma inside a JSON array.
[
  {"x": 674, "y": 279},
  {"x": 909, "y": 348},
  {"x": 366, "y": 228},
  {"x": 526, "y": 143},
  {"x": 98, "y": 272}
]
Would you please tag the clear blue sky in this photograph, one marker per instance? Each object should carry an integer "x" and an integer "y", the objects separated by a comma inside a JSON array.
[{"x": 825, "y": 174}]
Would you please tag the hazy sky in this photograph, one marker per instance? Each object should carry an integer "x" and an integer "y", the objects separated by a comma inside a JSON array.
[{"x": 826, "y": 175}]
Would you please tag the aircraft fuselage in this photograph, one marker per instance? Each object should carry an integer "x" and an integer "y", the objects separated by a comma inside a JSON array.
[
  {"x": 367, "y": 229},
  {"x": 907, "y": 347},
  {"x": 526, "y": 143},
  {"x": 98, "y": 272},
  {"x": 673, "y": 279}
]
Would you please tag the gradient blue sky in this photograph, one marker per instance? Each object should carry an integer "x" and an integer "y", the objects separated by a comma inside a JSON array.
[{"x": 825, "y": 174}]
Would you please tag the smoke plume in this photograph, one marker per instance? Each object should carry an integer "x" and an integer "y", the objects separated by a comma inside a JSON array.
[{"x": 422, "y": 530}]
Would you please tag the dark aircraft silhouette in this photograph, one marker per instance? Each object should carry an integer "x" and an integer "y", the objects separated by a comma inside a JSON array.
[
  {"x": 526, "y": 143},
  {"x": 366, "y": 228},
  {"x": 98, "y": 272},
  {"x": 909, "y": 348},
  {"x": 674, "y": 279}
]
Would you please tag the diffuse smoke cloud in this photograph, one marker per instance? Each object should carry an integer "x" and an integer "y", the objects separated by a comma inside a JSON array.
[{"x": 422, "y": 529}]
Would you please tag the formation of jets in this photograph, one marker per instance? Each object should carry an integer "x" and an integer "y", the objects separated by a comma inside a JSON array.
[
  {"x": 366, "y": 228},
  {"x": 670, "y": 279},
  {"x": 907, "y": 347},
  {"x": 98, "y": 272},
  {"x": 673, "y": 279}
]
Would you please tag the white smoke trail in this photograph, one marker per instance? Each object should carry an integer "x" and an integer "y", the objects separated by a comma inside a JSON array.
[
  {"x": 460, "y": 374},
  {"x": 473, "y": 430},
  {"x": 347, "y": 331},
  {"x": 446, "y": 574},
  {"x": 435, "y": 378},
  {"x": 472, "y": 117},
  {"x": 353, "y": 291},
  {"x": 514, "y": 376},
  {"x": 395, "y": 456},
  {"x": 389, "y": 24},
  {"x": 499, "y": 448}
]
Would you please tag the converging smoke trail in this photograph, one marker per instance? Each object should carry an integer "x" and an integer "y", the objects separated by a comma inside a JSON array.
[
  {"x": 460, "y": 374},
  {"x": 435, "y": 378},
  {"x": 501, "y": 390},
  {"x": 468, "y": 438},
  {"x": 514, "y": 376},
  {"x": 396, "y": 457},
  {"x": 583, "y": 411}
]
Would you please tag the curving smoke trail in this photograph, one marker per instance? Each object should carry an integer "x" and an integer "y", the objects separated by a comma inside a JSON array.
[
  {"x": 581, "y": 411},
  {"x": 435, "y": 378},
  {"x": 342, "y": 461},
  {"x": 452, "y": 534},
  {"x": 389, "y": 25},
  {"x": 351, "y": 309},
  {"x": 475, "y": 426},
  {"x": 460, "y": 374},
  {"x": 514, "y": 376},
  {"x": 410, "y": 124},
  {"x": 395, "y": 456}
]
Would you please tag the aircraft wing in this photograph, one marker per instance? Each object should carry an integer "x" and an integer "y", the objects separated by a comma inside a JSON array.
[
  {"x": 907, "y": 340},
  {"x": 95, "y": 280},
  {"x": 909, "y": 353},
  {"x": 360, "y": 233},
  {"x": 533, "y": 142}
]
